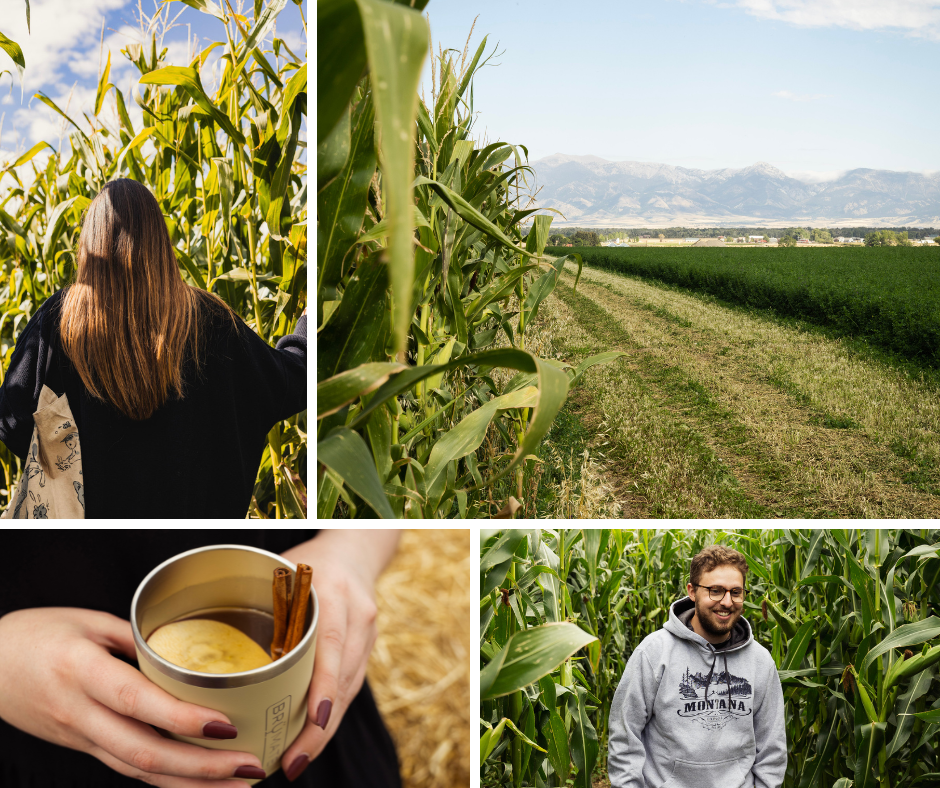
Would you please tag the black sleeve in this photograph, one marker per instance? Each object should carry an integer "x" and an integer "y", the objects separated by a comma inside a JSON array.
[
  {"x": 19, "y": 394},
  {"x": 277, "y": 375}
]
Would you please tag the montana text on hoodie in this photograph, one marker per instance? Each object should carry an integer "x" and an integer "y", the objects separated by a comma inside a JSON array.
[{"x": 689, "y": 715}]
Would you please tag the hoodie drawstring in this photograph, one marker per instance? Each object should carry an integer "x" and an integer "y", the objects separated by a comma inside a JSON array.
[
  {"x": 728, "y": 680},
  {"x": 711, "y": 670},
  {"x": 708, "y": 680}
]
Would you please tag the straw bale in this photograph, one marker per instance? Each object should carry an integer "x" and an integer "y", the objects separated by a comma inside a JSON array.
[{"x": 420, "y": 667}]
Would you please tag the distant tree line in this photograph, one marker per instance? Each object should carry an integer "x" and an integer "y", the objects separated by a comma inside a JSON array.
[
  {"x": 887, "y": 238},
  {"x": 788, "y": 236}
]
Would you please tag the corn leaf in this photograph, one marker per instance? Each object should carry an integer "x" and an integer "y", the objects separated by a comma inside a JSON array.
[
  {"x": 39, "y": 146},
  {"x": 188, "y": 79},
  {"x": 13, "y": 50},
  {"x": 529, "y": 655},
  {"x": 902, "y": 637},
  {"x": 584, "y": 744},
  {"x": 341, "y": 204},
  {"x": 103, "y": 85},
  {"x": 396, "y": 42},
  {"x": 868, "y": 741},
  {"x": 469, "y": 434},
  {"x": 346, "y": 454},
  {"x": 341, "y": 58},
  {"x": 353, "y": 334},
  {"x": 339, "y": 390},
  {"x": 557, "y": 739},
  {"x": 56, "y": 226},
  {"x": 591, "y": 361},
  {"x": 490, "y": 739},
  {"x": 798, "y": 645},
  {"x": 905, "y": 709}
]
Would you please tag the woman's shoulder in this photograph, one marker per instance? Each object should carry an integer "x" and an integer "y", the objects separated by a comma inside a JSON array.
[
  {"x": 43, "y": 324},
  {"x": 220, "y": 321},
  {"x": 50, "y": 310}
]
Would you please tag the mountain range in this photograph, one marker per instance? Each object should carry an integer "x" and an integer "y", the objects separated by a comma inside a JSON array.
[{"x": 594, "y": 192}]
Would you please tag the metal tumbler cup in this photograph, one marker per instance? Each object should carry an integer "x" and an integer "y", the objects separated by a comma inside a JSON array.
[{"x": 268, "y": 705}]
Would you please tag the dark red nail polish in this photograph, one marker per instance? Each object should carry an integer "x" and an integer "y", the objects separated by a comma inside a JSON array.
[
  {"x": 219, "y": 730},
  {"x": 323, "y": 712},
  {"x": 296, "y": 768},
  {"x": 250, "y": 772}
]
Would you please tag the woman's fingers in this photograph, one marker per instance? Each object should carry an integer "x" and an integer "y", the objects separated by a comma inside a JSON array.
[
  {"x": 312, "y": 739},
  {"x": 343, "y": 680},
  {"x": 324, "y": 687},
  {"x": 120, "y": 687},
  {"x": 327, "y": 671},
  {"x": 161, "y": 780},
  {"x": 140, "y": 747},
  {"x": 110, "y": 632}
]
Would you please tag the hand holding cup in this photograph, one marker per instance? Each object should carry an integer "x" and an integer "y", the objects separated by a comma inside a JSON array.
[{"x": 59, "y": 681}]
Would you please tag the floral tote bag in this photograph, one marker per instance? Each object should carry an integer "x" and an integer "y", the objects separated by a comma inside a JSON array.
[{"x": 51, "y": 486}]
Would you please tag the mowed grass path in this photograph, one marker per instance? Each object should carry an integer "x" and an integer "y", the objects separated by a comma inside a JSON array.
[{"x": 714, "y": 412}]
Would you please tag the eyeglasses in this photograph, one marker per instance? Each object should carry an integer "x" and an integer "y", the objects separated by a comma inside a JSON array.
[{"x": 717, "y": 593}]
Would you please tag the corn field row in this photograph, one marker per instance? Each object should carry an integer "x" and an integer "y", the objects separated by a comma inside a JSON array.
[
  {"x": 229, "y": 174},
  {"x": 848, "y": 615},
  {"x": 429, "y": 404}
]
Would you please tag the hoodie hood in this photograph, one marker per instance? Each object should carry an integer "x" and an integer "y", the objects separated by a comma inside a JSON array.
[{"x": 680, "y": 616}]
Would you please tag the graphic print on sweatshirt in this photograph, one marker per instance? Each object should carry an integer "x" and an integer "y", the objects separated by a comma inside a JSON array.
[{"x": 708, "y": 702}]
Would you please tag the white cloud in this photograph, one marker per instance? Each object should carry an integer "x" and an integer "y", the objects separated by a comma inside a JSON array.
[
  {"x": 296, "y": 40},
  {"x": 919, "y": 18},
  {"x": 790, "y": 96},
  {"x": 816, "y": 176},
  {"x": 60, "y": 32}
]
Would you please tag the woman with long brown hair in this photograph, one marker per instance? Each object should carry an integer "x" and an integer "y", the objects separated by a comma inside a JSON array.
[{"x": 172, "y": 394}]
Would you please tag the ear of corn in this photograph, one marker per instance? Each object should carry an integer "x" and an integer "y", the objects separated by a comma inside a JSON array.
[
  {"x": 227, "y": 172},
  {"x": 862, "y": 705}
]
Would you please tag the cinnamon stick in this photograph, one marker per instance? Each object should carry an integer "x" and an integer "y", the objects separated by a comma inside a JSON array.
[
  {"x": 298, "y": 607},
  {"x": 281, "y": 591}
]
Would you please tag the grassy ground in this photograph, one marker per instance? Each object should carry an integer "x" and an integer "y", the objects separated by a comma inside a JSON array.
[
  {"x": 718, "y": 412},
  {"x": 599, "y": 778}
]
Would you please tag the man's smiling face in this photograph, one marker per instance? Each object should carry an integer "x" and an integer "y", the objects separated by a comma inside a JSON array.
[{"x": 714, "y": 619}]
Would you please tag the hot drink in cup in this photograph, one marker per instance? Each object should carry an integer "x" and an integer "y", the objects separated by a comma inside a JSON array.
[{"x": 219, "y": 627}]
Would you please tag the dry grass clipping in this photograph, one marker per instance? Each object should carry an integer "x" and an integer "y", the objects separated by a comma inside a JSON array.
[{"x": 420, "y": 667}]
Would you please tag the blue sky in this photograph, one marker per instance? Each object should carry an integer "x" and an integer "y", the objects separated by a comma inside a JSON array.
[
  {"x": 814, "y": 87},
  {"x": 62, "y": 59}
]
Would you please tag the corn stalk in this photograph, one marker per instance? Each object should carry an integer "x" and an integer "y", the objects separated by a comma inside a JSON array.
[{"x": 427, "y": 400}]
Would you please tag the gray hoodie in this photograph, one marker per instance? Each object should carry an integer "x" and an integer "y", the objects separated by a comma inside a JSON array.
[{"x": 688, "y": 715}]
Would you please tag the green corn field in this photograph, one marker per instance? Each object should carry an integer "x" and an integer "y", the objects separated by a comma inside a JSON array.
[
  {"x": 848, "y": 615},
  {"x": 428, "y": 400},
  {"x": 229, "y": 173}
]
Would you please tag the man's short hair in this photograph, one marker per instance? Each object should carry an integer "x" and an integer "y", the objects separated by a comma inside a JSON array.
[{"x": 714, "y": 556}]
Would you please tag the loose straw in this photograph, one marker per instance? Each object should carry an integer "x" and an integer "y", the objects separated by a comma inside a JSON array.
[{"x": 420, "y": 667}]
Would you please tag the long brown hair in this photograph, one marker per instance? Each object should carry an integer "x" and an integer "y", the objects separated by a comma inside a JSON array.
[{"x": 130, "y": 322}]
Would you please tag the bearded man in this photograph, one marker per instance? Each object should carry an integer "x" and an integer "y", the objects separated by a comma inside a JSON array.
[{"x": 700, "y": 704}]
